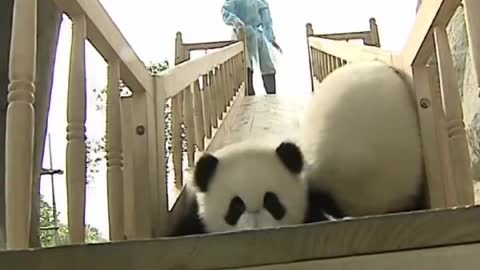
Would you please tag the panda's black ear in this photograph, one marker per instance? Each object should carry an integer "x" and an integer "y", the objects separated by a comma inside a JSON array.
[
  {"x": 204, "y": 170},
  {"x": 291, "y": 156}
]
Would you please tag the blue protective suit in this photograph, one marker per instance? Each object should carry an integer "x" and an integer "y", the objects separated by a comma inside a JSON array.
[{"x": 255, "y": 15}]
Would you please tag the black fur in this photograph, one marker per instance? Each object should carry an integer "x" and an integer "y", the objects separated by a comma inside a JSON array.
[
  {"x": 204, "y": 170},
  {"x": 190, "y": 223},
  {"x": 291, "y": 156},
  {"x": 319, "y": 203}
]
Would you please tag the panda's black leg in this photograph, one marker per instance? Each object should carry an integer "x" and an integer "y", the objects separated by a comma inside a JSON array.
[
  {"x": 190, "y": 223},
  {"x": 319, "y": 204}
]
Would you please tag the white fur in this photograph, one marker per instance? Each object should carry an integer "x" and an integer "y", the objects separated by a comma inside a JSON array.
[
  {"x": 361, "y": 138},
  {"x": 249, "y": 170}
]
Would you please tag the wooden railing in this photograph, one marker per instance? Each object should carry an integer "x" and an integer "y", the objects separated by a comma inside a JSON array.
[
  {"x": 427, "y": 63},
  {"x": 136, "y": 180}
]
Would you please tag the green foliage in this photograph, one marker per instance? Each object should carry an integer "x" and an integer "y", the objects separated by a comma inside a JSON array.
[{"x": 47, "y": 223}]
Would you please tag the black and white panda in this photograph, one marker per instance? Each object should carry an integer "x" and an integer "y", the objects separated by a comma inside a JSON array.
[
  {"x": 247, "y": 185},
  {"x": 361, "y": 142}
]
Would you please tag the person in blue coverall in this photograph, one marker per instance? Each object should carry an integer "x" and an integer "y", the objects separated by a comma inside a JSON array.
[{"x": 254, "y": 16}]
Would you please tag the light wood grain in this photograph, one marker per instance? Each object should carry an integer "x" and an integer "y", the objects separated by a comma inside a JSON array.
[
  {"x": 107, "y": 39},
  {"x": 20, "y": 125},
  {"x": 431, "y": 12},
  {"x": 362, "y": 236},
  {"x": 445, "y": 258},
  {"x": 175, "y": 79},
  {"x": 260, "y": 117},
  {"x": 462, "y": 184},
  {"x": 351, "y": 52}
]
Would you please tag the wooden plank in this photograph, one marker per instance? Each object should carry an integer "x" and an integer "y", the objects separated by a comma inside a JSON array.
[
  {"x": 431, "y": 13},
  {"x": 208, "y": 45},
  {"x": 444, "y": 258},
  {"x": 105, "y": 36},
  {"x": 350, "y": 51},
  {"x": 175, "y": 79},
  {"x": 260, "y": 116},
  {"x": 452, "y": 109},
  {"x": 361, "y": 236},
  {"x": 363, "y": 35}
]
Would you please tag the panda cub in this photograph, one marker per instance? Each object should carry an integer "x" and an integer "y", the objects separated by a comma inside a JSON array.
[
  {"x": 362, "y": 144},
  {"x": 247, "y": 186}
]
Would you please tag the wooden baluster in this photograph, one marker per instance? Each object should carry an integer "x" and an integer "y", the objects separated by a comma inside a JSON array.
[
  {"x": 224, "y": 85},
  {"x": 328, "y": 65},
  {"x": 20, "y": 124},
  {"x": 428, "y": 116},
  {"x": 339, "y": 62},
  {"x": 212, "y": 99},
  {"x": 114, "y": 154},
  {"x": 238, "y": 73},
  {"x": 233, "y": 83},
  {"x": 318, "y": 66},
  {"x": 206, "y": 105},
  {"x": 129, "y": 190},
  {"x": 219, "y": 98},
  {"x": 229, "y": 81},
  {"x": 76, "y": 150},
  {"x": 335, "y": 62},
  {"x": 177, "y": 140},
  {"x": 234, "y": 74},
  {"x": 189, "y": 124},
  {"x": 331, "y": 67},
  {"x": 452, "y": 106},
  {"x": 323, "y": 65},
  {"x": 160, "y": 222},
  {"x": 198, "y": 113}
]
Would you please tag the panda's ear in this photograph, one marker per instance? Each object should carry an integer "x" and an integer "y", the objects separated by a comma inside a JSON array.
[
  {"x": 291, "y": 156},
  {"x": 204, "y": 170}
]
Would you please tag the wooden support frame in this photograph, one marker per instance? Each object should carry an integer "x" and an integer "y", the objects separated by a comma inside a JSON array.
[{"x": 312, "y": 242}]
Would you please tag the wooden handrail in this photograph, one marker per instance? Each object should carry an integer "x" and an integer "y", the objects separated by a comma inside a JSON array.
[
  {"x": 107, "y": 39},
  {"x": 349, "y": 51},
  {"x": 208, "y": 45},
  {"x": 175, "y": 79},
  {"x": 431, "y": 13}
]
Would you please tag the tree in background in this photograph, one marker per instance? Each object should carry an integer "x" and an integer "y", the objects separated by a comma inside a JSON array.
[{"x": 49, "y": 224}]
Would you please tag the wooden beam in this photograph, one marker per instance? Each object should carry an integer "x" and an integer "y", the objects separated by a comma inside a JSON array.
[
  {"x": 105, "y": 36},
  {"x": 175, "y": 79},
  {"x": 431, "y": 13},
  {"x": 208, "y": 45},
  {"x": 444, "y": 258},
  {"x": 349, "y": 51},
  {"x": 360, "y": 236}
]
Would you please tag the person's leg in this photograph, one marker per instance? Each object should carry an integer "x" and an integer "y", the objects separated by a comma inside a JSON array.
[
  {"x": 251, "y": 90},
  {"x": 269, "y": 83},
  {"x": 266, "y": 66},
  {"x": 252, "y": 50}
]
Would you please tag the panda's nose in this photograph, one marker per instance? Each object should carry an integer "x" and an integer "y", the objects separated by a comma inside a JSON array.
[{"x": 250, "y": 220}]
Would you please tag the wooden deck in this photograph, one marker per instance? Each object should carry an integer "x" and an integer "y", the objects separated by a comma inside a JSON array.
[{"x": 261, "y": 116}]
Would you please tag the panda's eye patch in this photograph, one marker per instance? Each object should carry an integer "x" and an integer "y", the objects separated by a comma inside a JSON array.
[
  {"x": 273, "y": 205},
  {"x": 235, "y": 210}
]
